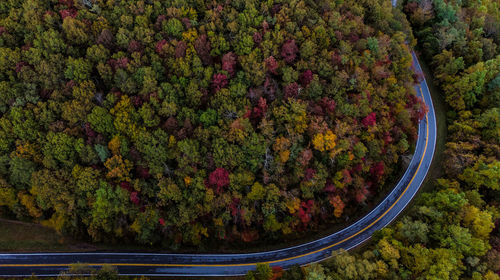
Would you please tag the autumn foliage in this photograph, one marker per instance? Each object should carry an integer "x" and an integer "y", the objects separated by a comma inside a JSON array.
[{"x": 186, "y": 122}]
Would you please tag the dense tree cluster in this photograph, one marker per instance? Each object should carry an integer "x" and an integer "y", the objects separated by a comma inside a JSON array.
[
  {"x": 462, "y": 40},
  {"x": 182, "y": 121},
  {"x": 453, "y": 232}
]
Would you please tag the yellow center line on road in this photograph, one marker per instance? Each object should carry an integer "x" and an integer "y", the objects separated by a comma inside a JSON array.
[{"x": 251, "y": 264}]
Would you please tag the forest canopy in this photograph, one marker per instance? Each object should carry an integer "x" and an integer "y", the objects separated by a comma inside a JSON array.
[
  {"x": 453, "y": 230},
  {"x": 176, "y": 122}
]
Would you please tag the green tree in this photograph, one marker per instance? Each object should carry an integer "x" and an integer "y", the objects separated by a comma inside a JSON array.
[
  {"x": 262, "y": 272},
  {"x": 59, "y": 147},
  {"x": 77, "y": 69},
  {"x": 110, "y": 204},
  {"x": 75, "y": 30},
  {"x": 20, "y": 171}
]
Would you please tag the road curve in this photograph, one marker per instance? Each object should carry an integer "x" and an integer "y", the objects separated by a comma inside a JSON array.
[{"x": 51, "y": 264}]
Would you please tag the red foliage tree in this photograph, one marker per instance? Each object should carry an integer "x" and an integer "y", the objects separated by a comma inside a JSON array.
[
  {"x": 315, "y": 108},
  {"x": 118, "y": 63},
  {"x": 186, "y": 22},
  {"x": 277, "y": 272},
  {"x": 339, "y": 34},
  {"x": 329, "y": 187},
  {"x": 137, "y": 101},
  {"x": 68, "y": 13},
  {"x": 353, "y": 38},
  {"x": 265, "y": 26},
  {"x": 89, "y": 132},
  {"x": 67, "y": 3},
  {"x": 159, "y": 48},
  {"x": 159, "y": 21},
  {"x": 305, "y": 156},
  {"x": 412, "y": 100},
  {"x": 106, "y": 38},
  {"x": 369, "y": 120},
  {"x": 289, "y": 51},
  {"x": 377, "y": 170},
  {"x": 421, "y": 111},
  {"x": 143, "y": 172},
  {"x": 257, "y": 38},
  {"x": 126, "y": 186},
  {"x": 219, "y": 81},
  {"x": 347, "y": 176},
  {"x": 305, "y": 211},
  {"x": 171, "y": 125},
  {"x": 234, "y": 207},
  {"x": 20, "y": 65},
  {"x": 180, "y": 49},
  {"x": 134, "y": 197},
  {"x": 249, "y": 235},
  {"x": 271, "y": 65},
  {"x": 262, "y": 105},
  {"x": 306, "y": 78},
  {"x": 309, "y": 174},
  {"x": 327, "y": 104},
  {"x": 361, "y": 194},
  {"x": 258, "y": 112},
  {"x": 291, "y": 90},
  {"x": 219, "y": 179},
  {"x": 387, "y": 138},
  {"x": 336, "y": 58},
  {"x": 229, "y": 61},
  {"x": 135, "y": 46},
  {"x": 418, "y": 77},
  {"x": 202, "y": 47},
  {"x": 275, "y": 9}
]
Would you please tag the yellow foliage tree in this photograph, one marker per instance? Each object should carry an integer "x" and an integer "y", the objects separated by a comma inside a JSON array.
[
  {"x": 28, "y": 201},
  {"x": 28, "y": 151},
  {"x": 190, "y": 35},
  {"x": 388, "y": 252},
  {"x": 123, "y": 113},
  {"x": 281, "y": 144},
  {"x": 479, "y": 221},
  {"x": 7, "y": 194},
  {"x": 114, "y": 145},
  {"x": 118, "y": 168},
  {"x": 324, "y": 141},
  {"x": 330, "y": 140},
  {"x": 338, "y": 205},
  {"x": 293, "y": 205},
  {"x": 284, "y": 155}
]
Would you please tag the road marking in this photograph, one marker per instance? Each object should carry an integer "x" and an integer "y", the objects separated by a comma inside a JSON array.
[{"x": 252, "y": 264}]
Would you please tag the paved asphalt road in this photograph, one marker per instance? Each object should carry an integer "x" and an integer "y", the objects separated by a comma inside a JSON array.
[{"x": 50, "y": 264}]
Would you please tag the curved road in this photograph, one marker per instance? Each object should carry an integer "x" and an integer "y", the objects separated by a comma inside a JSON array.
[{"x": 51, "y": 264}]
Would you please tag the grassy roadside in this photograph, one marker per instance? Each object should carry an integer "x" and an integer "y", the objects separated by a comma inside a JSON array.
[
  {"x": 19, "y": 236},
  {"x": 31, "y": 237}
]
